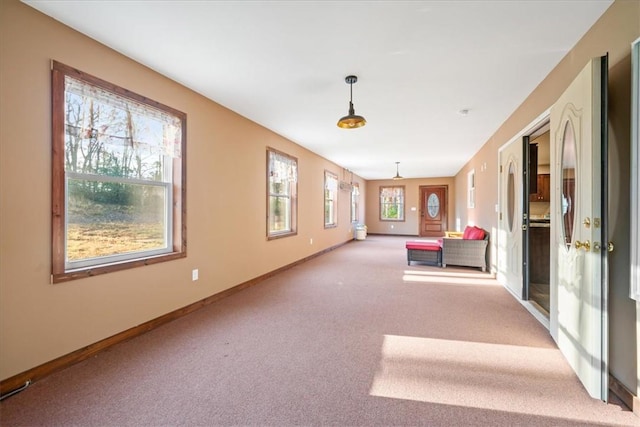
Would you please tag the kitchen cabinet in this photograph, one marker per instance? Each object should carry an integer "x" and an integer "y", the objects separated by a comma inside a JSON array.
[
  {"x": 539, "y": 254},
  {"x": 544, "y": 189}
]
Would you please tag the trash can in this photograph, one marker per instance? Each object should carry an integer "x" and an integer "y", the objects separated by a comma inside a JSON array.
[{"x": 361, "y": 232}]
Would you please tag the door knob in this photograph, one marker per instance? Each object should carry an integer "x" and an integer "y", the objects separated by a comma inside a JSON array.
[
  {"x": 610, "y": 247},
  {"x": 586, "y": 245}
]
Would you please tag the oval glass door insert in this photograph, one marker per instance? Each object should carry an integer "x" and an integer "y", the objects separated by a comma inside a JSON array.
[
  {"x": 433, "y": 205},
  {"x": 511, "y": 195},
  {"x": 568, "y": 194}
]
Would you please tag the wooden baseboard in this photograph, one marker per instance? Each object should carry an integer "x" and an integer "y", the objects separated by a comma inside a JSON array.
[
  {"x": 627, "y": 397},
  {"x": 62, "y": 362}
]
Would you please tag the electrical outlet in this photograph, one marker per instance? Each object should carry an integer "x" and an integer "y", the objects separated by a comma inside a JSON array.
[{"x": 194, "y": 275}]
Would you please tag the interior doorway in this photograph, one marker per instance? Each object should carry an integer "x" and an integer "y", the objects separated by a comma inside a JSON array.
[
  {"x": 433, "y": 210},
  {"x": 538, "y": 242},
  {"x": 523, "y": 247}
]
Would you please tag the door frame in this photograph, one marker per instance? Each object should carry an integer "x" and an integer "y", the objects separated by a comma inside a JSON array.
[{"x": 536, "y": 124}]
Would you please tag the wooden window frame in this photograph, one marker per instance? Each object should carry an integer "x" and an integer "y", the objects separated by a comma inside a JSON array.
[
  {"x": 293, "y": 199},
  {"x": 178, "y": 227},
  {"x": 471, "y": 189},
  {"x": 380, "y": 204},
  {"x": 355, "y": 202},
  {"x": 334, "y": 220}
]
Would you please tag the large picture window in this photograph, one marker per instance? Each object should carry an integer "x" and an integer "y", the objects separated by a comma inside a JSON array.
[
  {"x": 282, "y": 181},
  {"x": 118, "y": 178},
  {"x": 330, "y": 199},
  {"x": 392, "y": 203}
]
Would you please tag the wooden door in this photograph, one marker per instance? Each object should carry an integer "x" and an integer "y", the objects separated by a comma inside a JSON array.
[
  {"x": 579, "y": 283},
  {"x": 433, "y": 210}
]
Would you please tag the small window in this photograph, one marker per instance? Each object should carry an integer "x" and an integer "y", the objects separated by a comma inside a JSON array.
[
  {"x": 118, "y": 178},
  {"x": 330, "y": 200},
  {"x": 471, "y": 189},
  {"x": 355, "y": 202},
  {"x": 282, "y": 202},
  {"x": 392, "y": 203}
]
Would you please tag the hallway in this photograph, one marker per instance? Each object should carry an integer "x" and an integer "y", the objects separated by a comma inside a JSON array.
[{"x": 352, "y": 337}]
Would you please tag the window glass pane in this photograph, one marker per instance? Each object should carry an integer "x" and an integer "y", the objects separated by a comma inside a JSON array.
[
  {"x": 330, "y": 199},
  {"x": 112, "y": 120},
  {"x": 511, "y": 196},
  {"x": 282, "y": 179},
  {"x": 280, "y": 214},
  {"x": 355, "y": 196},
  {"x": 433, "y": 205},
  {"x": 111, "y": 218},
  {"x": 568, "y": 196},
  {"x": 392, "y": 203}
]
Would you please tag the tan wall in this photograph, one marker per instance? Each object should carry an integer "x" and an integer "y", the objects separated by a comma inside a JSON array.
[
  {"x": 225, "y": 201},
  {"x": 613, "y": 33},
  {"x": 411, "y": 224}
]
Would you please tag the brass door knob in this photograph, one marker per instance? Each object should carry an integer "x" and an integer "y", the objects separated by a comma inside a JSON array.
[
  {"x": 586, "y": 245},
  {"x": 610, "y": 247}
]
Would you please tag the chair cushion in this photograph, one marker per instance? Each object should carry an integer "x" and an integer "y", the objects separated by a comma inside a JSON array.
[
  {"x": 423, "y": 246},
  {"x": 473, "y": 233}
]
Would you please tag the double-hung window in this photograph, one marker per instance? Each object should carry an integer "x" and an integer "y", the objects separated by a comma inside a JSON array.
[
  {"x": 118, "y": 178},
  {"x": 471, "y": 189},
  {"x": 355, "y": 201},
  {"x": 392, "y": 203},
  {"x": 282, "y": 182},
  {"x": 330, "y": 199}
]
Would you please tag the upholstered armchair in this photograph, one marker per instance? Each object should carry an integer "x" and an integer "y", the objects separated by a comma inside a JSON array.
[{"x": 469, "y": 251}]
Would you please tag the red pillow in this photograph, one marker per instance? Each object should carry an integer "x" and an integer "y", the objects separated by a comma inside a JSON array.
[
  {"x": 473, "y": 233},
  {"x": 467, "y": 232}
]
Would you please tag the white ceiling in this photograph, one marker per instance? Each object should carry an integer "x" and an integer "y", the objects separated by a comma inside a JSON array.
[{"x": 282, "y": 64}]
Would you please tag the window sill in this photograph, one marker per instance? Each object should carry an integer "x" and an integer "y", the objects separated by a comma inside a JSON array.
[{"x": 84, "y": 273}]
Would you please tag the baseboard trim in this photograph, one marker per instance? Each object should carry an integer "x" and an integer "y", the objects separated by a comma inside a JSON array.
[
  {"x": 624, "y": 394},
  {"x": 39, "y": 372}
]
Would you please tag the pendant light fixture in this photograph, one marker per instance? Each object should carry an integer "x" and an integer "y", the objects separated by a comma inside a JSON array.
[
  {"x": 351, "y": 121},
  {"x": 397, "y": 172}
]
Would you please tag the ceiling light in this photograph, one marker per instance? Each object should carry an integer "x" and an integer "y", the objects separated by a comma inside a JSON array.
[
  {"x": 351, "y": 121},
  {"x": 397, "y": 172}
]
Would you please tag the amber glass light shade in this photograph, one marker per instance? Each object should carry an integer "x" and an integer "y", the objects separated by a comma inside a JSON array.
[{"x": 351, "y": 121}]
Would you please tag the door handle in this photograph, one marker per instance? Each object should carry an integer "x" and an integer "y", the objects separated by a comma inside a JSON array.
[
  {"x": 586, "y": 245},
  {"x": 610, "y": 247}
]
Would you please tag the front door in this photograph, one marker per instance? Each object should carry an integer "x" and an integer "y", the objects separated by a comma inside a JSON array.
[
  {"x": 433, "y": 210},
  {"x": 510, "y": 220},
  {"x": 578, "y": 318}
]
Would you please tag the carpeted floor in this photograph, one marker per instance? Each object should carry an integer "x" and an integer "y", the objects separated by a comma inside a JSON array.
[{"x": 352, "y": 338}]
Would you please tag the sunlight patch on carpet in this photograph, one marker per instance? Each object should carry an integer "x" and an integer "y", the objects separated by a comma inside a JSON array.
[{"x": 478, "y": 375}]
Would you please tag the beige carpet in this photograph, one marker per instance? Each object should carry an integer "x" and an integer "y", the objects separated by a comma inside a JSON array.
[{"x": 352, "y": 338}]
